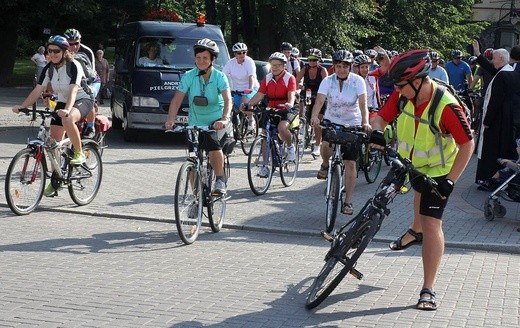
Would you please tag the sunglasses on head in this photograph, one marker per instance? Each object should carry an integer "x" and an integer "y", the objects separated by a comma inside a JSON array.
[
  {"x": 73, "y": 43},
  {"x": 240, "y": 52},
  {"x": 54, "y": 51}
]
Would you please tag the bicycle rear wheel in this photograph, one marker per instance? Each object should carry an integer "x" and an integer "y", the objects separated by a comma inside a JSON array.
[
  {"x": 24, "y": 182},
  {"x": 373, "y": 165},
  {"x": 84, "y": 180},
  {"x": 289, "y": 169},
  {"x": 216, "y": 206},
  {"x": 342, "y": 258},
  {"x": 248, "y": 136},
  {"x": 188, "y": 203},
  {"x": 333, "y": 198},
  {"x": 260, "y": 166}
]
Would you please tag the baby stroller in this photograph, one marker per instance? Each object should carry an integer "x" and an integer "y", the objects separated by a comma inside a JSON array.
[{"x": 508, "y": 189}]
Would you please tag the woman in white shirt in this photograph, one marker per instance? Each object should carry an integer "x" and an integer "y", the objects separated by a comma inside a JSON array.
[{"x": 346, "y": 97}]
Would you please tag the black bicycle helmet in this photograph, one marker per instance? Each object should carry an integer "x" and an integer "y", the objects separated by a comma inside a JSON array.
[
  {"x": 409, "y": 65},
  {"x": 362, "y": 59},
  {"x": 472, "y": 60},
  {"x": 343, "y": 56},
  {"x": 206, "y": 44},
  {"x": 456, "y": 54},
  {"x": 357, "y": 52},
  {"x": 286, "y": 46}
]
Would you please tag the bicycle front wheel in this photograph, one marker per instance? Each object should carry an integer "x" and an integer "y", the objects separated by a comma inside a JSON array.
[
  {"x": 333, "y": 198},
  {"x": 260, "y": 166},
  {"x": 216, "y": 206},
  {"x": 340, "y": 260},
  {"x": 289, "y": 169},
  {"x": 84, "y": 180},
  {"x": 248, "y": 136},
  {"x": 24, "y": 182},
  {"x": 188, "y": 203},
  {"x": 373, "y": 165}
]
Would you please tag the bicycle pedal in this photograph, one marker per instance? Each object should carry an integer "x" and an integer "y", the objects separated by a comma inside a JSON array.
[{"x": 358, "y": 275}]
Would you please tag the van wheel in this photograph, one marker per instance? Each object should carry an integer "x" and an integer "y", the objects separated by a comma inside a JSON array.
[{"x": 129, "y": 134}]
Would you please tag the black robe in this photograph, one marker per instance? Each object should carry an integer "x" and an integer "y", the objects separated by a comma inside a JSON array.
[{"x": 499, "y": 137}]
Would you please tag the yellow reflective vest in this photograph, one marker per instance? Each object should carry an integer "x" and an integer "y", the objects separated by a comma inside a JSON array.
[{"x": 432, "y": 153}]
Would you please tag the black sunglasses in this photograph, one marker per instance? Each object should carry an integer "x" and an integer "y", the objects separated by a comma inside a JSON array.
[
  {"x": 240, "y": 52},
  {"x": 54, "y": 51},
  {"x": 73, "y": 43}
]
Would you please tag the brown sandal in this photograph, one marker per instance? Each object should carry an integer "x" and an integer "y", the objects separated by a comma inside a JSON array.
[
  {"x": 323, "y": 172},
  {"x": 347, "y": 209}
]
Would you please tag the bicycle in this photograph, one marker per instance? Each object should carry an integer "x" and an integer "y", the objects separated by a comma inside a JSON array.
[
  {"x": 45, "y": 158},
  {"x": 369, "y": 160},
  {"x": 350, "y": 241},
  {"x": 268, "y": 152},
  {"x": 102, "y": 124},
  {"x": 240, "y": 125},
  {"x": 193, "y": 188},
  {"x": 337, "y": 135},
  {"x": 306, "y": 136}
]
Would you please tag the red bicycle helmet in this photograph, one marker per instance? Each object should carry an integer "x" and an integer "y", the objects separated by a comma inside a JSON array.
[
  {"x": 488, "y": 53},
  {"x": 409, "y": 65}
]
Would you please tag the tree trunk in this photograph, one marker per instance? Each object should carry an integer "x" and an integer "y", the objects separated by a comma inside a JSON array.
[
  {"x": 9, "y": 21},
  {"x": 211, "y": 12},
  {"x": 234, "y": 21},
  {"x": 266, "y": 30},
  {"x": 248, "y": 26}
]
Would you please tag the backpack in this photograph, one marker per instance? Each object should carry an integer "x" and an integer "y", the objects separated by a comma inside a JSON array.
[{"x": 442, "y": 87}]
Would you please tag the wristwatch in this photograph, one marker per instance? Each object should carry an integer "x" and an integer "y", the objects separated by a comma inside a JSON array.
[{"x": 450, "y": 182}]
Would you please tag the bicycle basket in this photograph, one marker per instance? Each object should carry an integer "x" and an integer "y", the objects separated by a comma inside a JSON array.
[{"x": 339, "y": 136}]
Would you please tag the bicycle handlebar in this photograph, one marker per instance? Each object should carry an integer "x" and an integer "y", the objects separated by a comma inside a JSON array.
[
  {"x": 405, "y": 165},
  {"x": 181, "y": 128},
  {"x": 43, "y": 112}
]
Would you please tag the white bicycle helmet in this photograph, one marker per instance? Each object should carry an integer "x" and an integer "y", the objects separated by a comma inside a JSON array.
[
  {"x": 295, "y": 51},
  {"x": 314, "y": 53},
  {"x": 239, "y": 46},
  {"x": 278, "y": 56},
  {"x": 207, "y": 44},
  {"x": 371, "y": 53}
]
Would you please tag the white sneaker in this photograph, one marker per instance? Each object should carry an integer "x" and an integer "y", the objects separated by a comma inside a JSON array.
[
  {"x": 251, "y": 125},
  {"x": 263, "y": 172},
  {"x": 315, "y": 151},
  {"x": 291, "y": 154}
]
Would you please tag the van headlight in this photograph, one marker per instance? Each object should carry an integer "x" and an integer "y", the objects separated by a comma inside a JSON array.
[{"x": 144, "y": 102}]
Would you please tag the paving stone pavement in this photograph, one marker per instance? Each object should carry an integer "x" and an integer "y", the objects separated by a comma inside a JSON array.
[
  {"x": 137, "y": 282},
  {"x": 73, "y": 270}
]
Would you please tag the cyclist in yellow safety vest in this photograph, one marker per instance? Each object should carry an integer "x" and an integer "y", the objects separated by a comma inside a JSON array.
[{"x": 440, "y": 147}]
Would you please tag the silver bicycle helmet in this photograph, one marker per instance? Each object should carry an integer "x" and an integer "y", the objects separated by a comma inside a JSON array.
[
  {"x": 295, "y": 52},
  {"x": 72, "y": 34},
  {"x": 371, "y": 53},
  {"x": 314, "y": 53},
  {"x": 361, "y": 59},
  {"x": 343, "y": 56}
]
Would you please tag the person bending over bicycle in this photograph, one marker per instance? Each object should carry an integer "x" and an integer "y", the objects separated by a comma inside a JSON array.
[
  {"x": 280, "y": 88},
  {"x": 439, "y": 145},
  {"x": 346, "y": 97},
  {"x": 73, "y": 103},
  {"x": 210, "y": 104},
  {"x": 312, "y": 74},
  {"x": 241, "y": 73}
]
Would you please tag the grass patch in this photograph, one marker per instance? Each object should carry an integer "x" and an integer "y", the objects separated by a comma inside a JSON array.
[{"x": 23, "y": 73}]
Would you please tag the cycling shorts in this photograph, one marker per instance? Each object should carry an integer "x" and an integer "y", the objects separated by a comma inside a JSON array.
[
  {"x": 275, "y": 120},
  {"x": 308, "y": 113},
  {"x": 431, "y": 204},
  {"x": 238, "y": 99},
  {"x": 349, "y": 152},
  {"x": 83, "y": 105},
  {"x": 210, "y": 141}
]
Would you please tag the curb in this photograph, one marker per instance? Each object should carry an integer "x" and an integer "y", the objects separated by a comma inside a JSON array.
[{"x": 489, "y": 247}]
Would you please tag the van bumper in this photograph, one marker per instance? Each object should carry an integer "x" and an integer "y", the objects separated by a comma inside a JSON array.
[{"x": 151, "y": 121}]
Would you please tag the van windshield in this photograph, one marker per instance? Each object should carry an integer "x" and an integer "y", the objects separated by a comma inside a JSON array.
[{"x": 169, "y": 53}]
